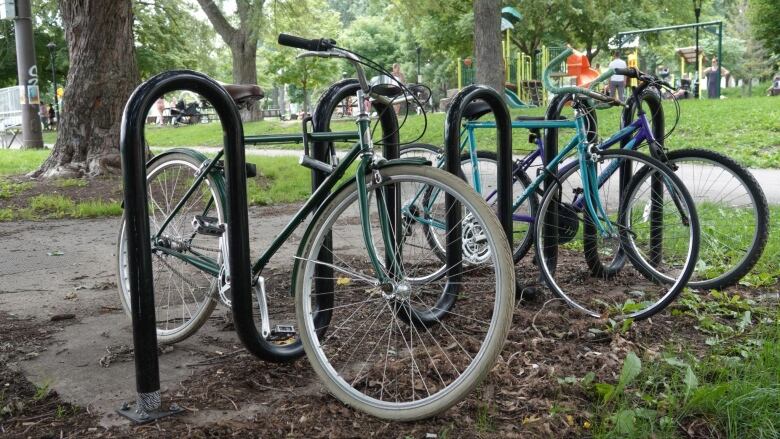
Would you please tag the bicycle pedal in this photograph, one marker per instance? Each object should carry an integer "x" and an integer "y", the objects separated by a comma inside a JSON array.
[
  {"x": 283, "y": 330},
  {"x": 208, "y": 225}
]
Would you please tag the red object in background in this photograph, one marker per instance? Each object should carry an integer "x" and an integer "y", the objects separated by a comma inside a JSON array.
[
  {"x": 577, "y": 65},
  {"x": 467, "y": 62}
]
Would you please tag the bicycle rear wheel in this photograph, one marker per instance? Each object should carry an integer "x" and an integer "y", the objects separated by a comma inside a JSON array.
[
  {"x": 185, "y": 295},
  {"x": 733, "y": 213},
  {"x": 656, "y": 227},
  {"x": 390, "y": 349},
  {"x": 487, "y": 164}
]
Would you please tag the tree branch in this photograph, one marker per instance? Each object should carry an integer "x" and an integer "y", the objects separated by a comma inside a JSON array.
[{"x": 218, "y": 20}]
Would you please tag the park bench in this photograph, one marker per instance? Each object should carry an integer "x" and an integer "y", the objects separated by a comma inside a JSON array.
[{"x": 9, "y": 132}]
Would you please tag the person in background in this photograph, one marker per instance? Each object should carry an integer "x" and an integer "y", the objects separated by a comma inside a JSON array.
[
  {"x": 711, "y": 73},
  {"x": 159, "y": 105},
  {"x": 399, "y": 76},
  {"x": 52, "y": 118},
  {"x": 43, "y": 111},
  {"x": 617, "y": 83}
]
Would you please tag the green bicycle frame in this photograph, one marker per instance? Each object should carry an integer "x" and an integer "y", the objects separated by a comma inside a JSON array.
[{"x": 362, "y": 150}]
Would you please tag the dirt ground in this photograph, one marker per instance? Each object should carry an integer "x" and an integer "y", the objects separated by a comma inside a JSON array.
[{"x": 66, "y": 359}]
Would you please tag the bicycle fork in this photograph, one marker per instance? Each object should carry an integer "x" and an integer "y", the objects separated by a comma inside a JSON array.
[{"x": 392, "y": 255}]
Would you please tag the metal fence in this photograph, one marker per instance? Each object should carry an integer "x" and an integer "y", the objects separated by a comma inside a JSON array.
[{"x": 10, "y": 108}]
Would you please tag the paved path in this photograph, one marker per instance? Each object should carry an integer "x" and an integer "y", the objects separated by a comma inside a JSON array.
[{"x": 68, "y": 267}]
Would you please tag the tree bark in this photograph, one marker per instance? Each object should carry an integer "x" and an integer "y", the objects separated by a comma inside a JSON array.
[
  {"x": 101, "y": 77},
  {"x": 242, "y": 42},
  {"x": 487, "y": 44}
]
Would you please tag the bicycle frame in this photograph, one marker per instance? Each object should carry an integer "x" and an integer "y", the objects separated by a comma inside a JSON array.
[
  {"x": 362, "y": 151},
  {"x": 637, "y": 132}
]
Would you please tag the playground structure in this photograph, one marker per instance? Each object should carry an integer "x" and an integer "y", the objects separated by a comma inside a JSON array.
[
  {"x": 527, "y": 90},
  {"x": 688, "y": 55},
  {"x": 525, "y": 70}
]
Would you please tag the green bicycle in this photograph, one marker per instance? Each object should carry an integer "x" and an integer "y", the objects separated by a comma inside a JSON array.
[{"x": 367, "y": 310}]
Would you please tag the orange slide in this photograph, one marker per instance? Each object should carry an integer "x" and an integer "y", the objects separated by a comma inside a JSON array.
[{"x": 578, "y": 65}]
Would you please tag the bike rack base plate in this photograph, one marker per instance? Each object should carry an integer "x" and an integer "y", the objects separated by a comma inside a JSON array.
[{"x": 129, "y": 411}]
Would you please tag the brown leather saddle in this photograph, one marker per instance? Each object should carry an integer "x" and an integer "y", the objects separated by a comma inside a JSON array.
[{"x": 244, "y": 94}]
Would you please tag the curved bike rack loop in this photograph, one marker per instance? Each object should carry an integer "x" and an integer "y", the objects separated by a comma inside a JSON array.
[
  {"x": 452, "y": 141},
  {"x": 656, "y": 109},
  {"x": 132, "y": 149}
]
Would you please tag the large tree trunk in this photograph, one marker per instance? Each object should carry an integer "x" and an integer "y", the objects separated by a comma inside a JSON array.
[
  {"x": 243, "y": 49},
  {"x": 241, "y": 40},
  {"x": 487, "y": 44},
  {"x": 102, "y": 74}
]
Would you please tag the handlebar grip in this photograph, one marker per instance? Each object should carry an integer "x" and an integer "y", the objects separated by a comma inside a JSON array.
[
  {"x": 601, "y": 78},
  {"x": 630, "y": 72},
  {"x": 315, "y": 45}
]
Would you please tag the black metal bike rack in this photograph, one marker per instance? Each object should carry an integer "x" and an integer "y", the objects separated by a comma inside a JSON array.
[
  {"x": 132, "y": 148},
  {"x": 452, "y": 130},
  {"x": 656, "y": 109}
]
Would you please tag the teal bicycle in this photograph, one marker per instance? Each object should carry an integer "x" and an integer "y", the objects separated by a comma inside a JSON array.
[
  {"x": 601, "y": 204},
  {"x": 367, "y": 311}
]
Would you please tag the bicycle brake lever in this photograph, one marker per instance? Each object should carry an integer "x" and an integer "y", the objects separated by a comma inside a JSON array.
[{"x": 310, "y": 53}]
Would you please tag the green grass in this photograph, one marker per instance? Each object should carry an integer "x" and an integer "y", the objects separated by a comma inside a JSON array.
[
  {"x": 15, "y": 162},
  {"x": 9, "y": 189},
  {"x": 59, "y": 206},
  {"x": 70, "y": 182},
  {"x": 731, "y": 391},
  {"x": 286, "y": 182},
  {"x": 744, "y": 128}
]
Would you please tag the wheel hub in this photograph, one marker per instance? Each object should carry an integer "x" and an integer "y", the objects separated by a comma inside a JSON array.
[{"x": 475, "y": 249}]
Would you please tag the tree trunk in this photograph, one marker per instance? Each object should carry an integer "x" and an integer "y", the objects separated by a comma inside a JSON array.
[
  {"x": 243, "y": 49},
  {"x": 241, "y": 40},
  {"x": 487, "y": 44},
  {"x": 102, "y": 74}
]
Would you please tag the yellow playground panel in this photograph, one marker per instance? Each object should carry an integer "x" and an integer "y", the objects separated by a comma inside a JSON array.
[{"x": 687, "y": 56}]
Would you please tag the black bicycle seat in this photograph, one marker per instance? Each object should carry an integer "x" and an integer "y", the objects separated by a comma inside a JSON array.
[
  {"x": 476, "y": 109},
  {"x": 387, "y": 90}
]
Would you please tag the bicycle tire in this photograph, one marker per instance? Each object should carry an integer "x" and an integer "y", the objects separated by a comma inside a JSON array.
[
  {"x": 623, "y": 288},
  {"x": 522, "y": 246},
  {"x": 155, "y": 168},
  {"x": 325, "y": 366},
  {"x": 758, "y": 238}
]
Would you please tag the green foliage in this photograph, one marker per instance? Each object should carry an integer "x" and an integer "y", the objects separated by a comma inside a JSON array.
[
  {"x": 168, "y": 36},
  {"x": 765, "y": 16},
  {"x": 734, "y": 390}
]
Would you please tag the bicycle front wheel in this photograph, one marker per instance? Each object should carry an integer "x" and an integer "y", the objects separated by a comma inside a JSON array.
[
  {"x": 654, "y": 226},
  {"x": 377, "y": 354}
]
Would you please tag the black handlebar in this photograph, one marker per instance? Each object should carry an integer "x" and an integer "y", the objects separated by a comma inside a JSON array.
[
  {"x": 630, "y": 72},
  {"x": 315, "y": 45}
]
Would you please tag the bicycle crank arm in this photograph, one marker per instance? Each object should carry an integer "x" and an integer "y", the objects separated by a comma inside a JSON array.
[{"x": 265, "y": 326}]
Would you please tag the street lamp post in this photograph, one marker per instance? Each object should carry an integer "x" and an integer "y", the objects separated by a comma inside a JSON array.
[
  {"x": 419, "y": 77},
  {"x": 697, "y": 13},
  {"x": 52, "y": 56}
]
